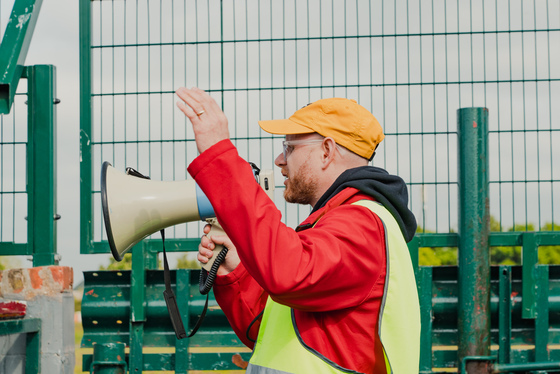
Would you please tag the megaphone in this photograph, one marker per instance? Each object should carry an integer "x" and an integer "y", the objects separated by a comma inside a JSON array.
[{"x": 135, "y": 206}]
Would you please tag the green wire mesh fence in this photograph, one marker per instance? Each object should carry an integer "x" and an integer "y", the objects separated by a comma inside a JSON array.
[
  {"x": 412, "y": 63},
  {"x": 13, "y": 195}
]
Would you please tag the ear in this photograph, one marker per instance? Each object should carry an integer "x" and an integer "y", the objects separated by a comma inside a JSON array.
[{"x": 328, "y": 152}]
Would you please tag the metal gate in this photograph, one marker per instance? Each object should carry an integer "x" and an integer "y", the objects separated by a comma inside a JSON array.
[{"x": 413, "y": 64}]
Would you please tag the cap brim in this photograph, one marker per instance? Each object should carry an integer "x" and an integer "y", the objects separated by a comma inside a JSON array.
[{"x": 284, "y": 127}]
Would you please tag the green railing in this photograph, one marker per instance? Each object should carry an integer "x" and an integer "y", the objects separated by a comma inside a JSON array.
[
  {"x": 31, "y": 327},
  {"x": 109, "y": 302},
  {"x": 412, "y": 64}
]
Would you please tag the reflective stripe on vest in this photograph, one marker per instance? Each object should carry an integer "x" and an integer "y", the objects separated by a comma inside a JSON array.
[{"x": 279, "y": 350}]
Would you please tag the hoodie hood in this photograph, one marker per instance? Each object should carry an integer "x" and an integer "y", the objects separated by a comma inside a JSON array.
[{"x": 389, "y": 190}]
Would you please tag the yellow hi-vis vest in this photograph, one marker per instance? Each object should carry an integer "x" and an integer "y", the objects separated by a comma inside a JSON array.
[{"x": 279, "y": 348}]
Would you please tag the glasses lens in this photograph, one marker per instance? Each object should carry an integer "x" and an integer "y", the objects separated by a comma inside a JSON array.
[{"x": 288, "y": 145}]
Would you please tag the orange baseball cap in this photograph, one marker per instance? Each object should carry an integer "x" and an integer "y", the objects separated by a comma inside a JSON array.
[{"x": 347, "y": 122}]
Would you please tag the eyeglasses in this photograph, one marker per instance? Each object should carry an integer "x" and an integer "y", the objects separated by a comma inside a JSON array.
[{"x": 288, "y": 145}]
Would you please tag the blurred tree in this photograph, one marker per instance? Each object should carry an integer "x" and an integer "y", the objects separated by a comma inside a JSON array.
[
  {"x": 184, "y": 262},
  {"x": 9, "y": 262},
  {"x": 426, "y": 256},
  {"x": 549, "y": 254},
  {"x": 507, "y": 255},
  {"x": 435, "y": 256},
  {"x": 125, "y": 264},
  {"x": 498, "y": 255}
]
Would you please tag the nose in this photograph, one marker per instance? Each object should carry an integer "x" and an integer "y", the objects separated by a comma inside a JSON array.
[{"x": 280, "y": 160}]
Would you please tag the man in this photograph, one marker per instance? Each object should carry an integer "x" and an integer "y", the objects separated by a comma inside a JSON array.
[{"x": 336, "y": 295}]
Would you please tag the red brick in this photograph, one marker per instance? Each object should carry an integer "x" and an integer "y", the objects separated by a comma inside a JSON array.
[
  {"x": 31, "y": 282},
  {"x": 35, "y": 277},
  {"x": 16, "y": 280},
  {"x": 63, "y": 275}
]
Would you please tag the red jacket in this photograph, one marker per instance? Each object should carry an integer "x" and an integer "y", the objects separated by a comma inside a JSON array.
[{"x": 332, "y": 274}]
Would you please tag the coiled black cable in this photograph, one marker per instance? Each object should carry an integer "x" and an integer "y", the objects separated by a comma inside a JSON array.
[{"x": 207, "y": 278}]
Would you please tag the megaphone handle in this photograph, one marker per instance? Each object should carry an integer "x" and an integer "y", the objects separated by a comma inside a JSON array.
[
  {"x": 209, "y": 270},
  {"x": 215, "y": 230}
]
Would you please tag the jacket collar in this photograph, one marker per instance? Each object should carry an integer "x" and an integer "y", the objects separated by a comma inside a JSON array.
[{"x": 346, "y": 196}]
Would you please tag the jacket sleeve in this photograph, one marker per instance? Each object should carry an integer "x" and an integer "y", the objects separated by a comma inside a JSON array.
[
  {"x": 242, "y": 300},
  {"x": 309, "y": 270}
]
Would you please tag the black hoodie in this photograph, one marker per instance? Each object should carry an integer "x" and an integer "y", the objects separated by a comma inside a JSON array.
[{"x": 389, "y": 190}]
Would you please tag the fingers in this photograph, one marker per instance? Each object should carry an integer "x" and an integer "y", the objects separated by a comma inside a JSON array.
[
  {"x": 222, "y": 240},
  {"x": 187, "y": 111},
  {"x": 210, "y": 124},
  {"x": 205, "y": 249},
  {"x": 201, "y": 258},
  {"x": 195, "y": 103},
  {"x": 206, "y": 242},
  {"x": 207, "y": 245},
  {"x": 190, "y": 104}
]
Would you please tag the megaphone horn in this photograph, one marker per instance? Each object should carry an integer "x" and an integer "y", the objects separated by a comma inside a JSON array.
[{"x": 136, "y": 207}]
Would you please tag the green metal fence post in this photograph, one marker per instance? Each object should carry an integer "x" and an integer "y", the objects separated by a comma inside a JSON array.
[
  {"x": 86, "y": 173},
  {"x": 41, "y": 163},
  {"x": 182, "y": 283},
  {"x": 542, "y": 323},
  {"x": 530, "y": 258},
  {"x": 137, "y": 307},
  {"x": 474, "y": 229},
  {"x": 427, "y": 314},
  {"x": 33, "y": 348},
  {"x": 142, "y": 259},
  {"x": 504, "y": 320}
]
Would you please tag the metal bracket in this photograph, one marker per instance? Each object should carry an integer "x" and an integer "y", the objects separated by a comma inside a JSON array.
[{"x": 14, "y": 47}]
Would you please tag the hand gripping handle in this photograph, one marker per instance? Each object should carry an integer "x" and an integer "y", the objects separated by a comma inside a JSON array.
[{"x": 215, "y": 230}]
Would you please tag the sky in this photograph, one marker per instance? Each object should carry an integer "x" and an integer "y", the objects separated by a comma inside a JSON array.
[{"x": 401, "y": 109}]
